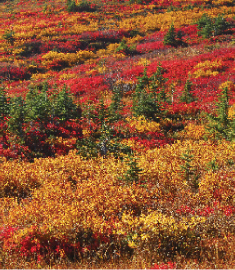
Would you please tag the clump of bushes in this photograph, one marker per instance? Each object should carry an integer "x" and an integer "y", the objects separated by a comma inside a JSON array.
[
  {"x": 208, "y": 26},
  {"x": 84, "y": 6}
]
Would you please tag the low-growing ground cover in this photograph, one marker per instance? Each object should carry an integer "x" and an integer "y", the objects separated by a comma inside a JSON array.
[{"x": 117, "y": 134}]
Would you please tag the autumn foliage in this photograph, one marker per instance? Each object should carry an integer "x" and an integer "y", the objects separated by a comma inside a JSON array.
[{"x": 117, "y": 134}]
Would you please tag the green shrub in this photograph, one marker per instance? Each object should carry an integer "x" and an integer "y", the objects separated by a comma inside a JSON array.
[
  {"x": 84, "y": 6},
  {"x": 71, "y": 6},
  {"x": 124, "y": 48},
  {"x": 9, "y": 36}
]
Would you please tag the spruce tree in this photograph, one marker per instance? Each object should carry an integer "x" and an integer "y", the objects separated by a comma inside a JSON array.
[
  {"x": 17, "y": 117},
  {"x": 170, "y": 37},
  {"x": 64, "y": 106},
  {"x": 157, "y": 85},
  {"x": 132, "y": 174},
  {"x": 4, "y": 104},
  {"x": 187, "y": 95},
  {"x": 220, "y": 125},
  {"x": 145, "y": 103},
  {"x": 116, "y": 105},
  {"x": 220, "y": 25},
  {"x": 208, "y": 26},
  {"x": 38, "y": 105},
  {"x": 71, "y": 6}
]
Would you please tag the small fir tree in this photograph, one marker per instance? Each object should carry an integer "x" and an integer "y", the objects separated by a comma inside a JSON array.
[
  {"x": 71, "y": 6},
  {"x": 124, "y": 48},
  {"x": 145, "y": 103},
  {"x": 9, "y": 36},
  {"x": 103, "y": 114},
  {"x": 208, "y": 26},
  {"x": 64, "y": 106},
  {"x": 220, "y": 25},
  {"x": 189, "y": 171},
  {"x": 170, "y": 37},
  {"x": 157, "y": 85},
  {"x": 132, "y": 174},
  {"x": 4, "y": 104},
  {"x": 221, "y": 126},
  {"x": 116, "y": 106},
  {"x": 17, "y": 117},
  {"x": 187, "y": 95},
  {"x": 37, "y": 105}
]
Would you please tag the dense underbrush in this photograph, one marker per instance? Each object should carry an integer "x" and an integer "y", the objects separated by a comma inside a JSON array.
[{"x": 117, "y": 134}]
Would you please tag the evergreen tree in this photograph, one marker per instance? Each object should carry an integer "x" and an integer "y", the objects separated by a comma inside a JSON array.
[
  {"x": 189, "y": 171},
  {"x": 9, "y": 36},
  {"x": 71, "y": 6},
  {"x": 145, "y": 103},
  {"x": 205, "y": 26},
  {"x": 124, "y": 48},
  {"x": 158, "y": 85},
  {"x": 220, "y": 25},
  {"x": 38, "y": 105},
  {"x": 4, "y": 104},
  {"x": 64, "y": 108},
  {"x": 207, "y": 30},
  {"x": 103, "y": 114},
  {"x": 116, "y": 105},
  {"x": 221, "y": 126},
  {"x": 170, "y": 37},
  {"x": 17, "y": 117},
  {"x": 187, "y": 95},
  {"x": 132, "y": 174},
  {"x": 211, "y": 27},
  {"x": 203, "y": 21}
]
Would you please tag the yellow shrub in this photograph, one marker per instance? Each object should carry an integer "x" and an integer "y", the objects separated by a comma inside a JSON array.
[
  {"x": 67, "y": 76},
  {"x": 229, "y": 84},
  {"x": 193, "y": 131},
  {"x": 140, "y": 124},
  {"x": 154, "y": 225},
  {"x": 143, "y": 62},
  {"x": 69, "y": 58},
  {"x": 206, "y": 69}
]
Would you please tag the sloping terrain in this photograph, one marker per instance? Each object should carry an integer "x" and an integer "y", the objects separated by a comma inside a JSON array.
[{"x": 117, "y": 134}]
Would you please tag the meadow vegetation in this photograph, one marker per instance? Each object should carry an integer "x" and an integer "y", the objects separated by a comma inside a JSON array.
[{"x": 117, "y": 134}]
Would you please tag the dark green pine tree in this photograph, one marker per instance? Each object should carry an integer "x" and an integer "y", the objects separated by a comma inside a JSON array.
[
  {"x": 17, "y": 117},
  {"x": 38, "y": 105},
  {"x": 145, "y": 103},
  {"x": 187, "y": 95},
  {"x": 116, "y": 105},
  {"x": 71, "y": 6},
  {"x": 220, "y": 25},
  {"x": 207, "y": 30},
  {"x": 220, "y": 125},
  {"x": 64, "y": 107},
  {"x": 157, "y": 85},
  {"x": 122, "y": 47},
  {"x": 103, "y": 114},
  {"x": 4, "y": 104},
  {"x": 132, "y": 174},
  {"x": 170, "y": 37},
  {"x": 208, "y": 26}
]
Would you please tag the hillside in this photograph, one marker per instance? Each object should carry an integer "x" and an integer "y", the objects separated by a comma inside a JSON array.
[{"x": 117, "y": 134}]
